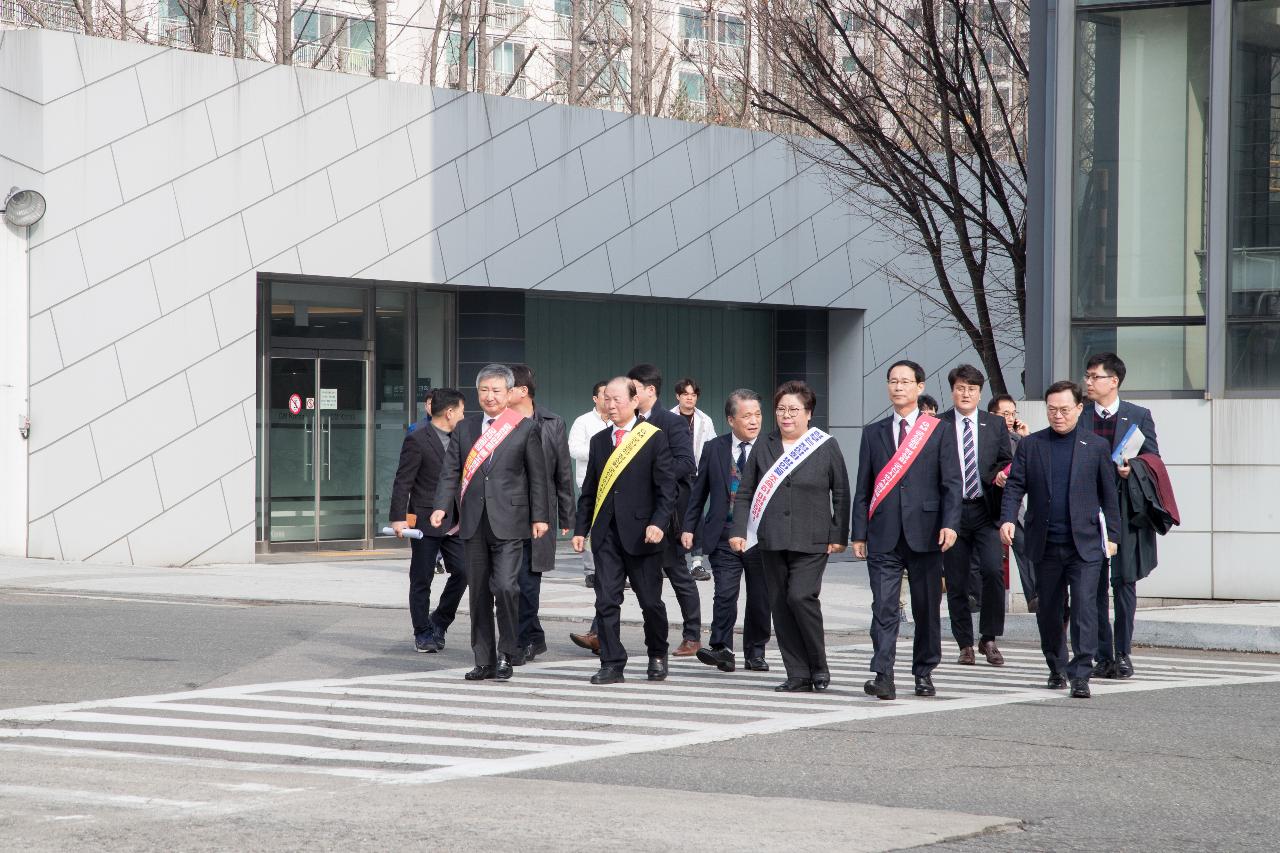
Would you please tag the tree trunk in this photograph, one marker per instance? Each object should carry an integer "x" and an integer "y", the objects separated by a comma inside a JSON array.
[
  {"x": 380, "y": 38},
  {"x": 284, "y": 32},
  {"x": 482, "y": 52},
  {"x": 464, "y": 44}
]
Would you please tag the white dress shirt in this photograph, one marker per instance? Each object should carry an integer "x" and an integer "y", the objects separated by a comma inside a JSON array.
[
  {"x": 1107, "y": 411},
  {"x": 911, "y": 422},
  {"x": 580, "y": 433}
]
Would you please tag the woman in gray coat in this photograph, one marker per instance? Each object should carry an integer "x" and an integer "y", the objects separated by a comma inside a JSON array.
[{"x": 801, "y": 518}]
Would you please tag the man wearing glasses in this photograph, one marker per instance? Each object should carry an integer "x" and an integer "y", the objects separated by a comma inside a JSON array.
[
  {"x": 1065, "y": 472},
  {"x": 1110, "y": 418}
]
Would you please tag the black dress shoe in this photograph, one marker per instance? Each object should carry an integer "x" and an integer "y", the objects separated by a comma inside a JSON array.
[
  {"x": 1104, "y": 669},
  {"x": 1124, "y": 667},
  {"x": 721, "y": 659},
  {"x": 821, "y": 681},
  {"x": 532, "y": 651},
  {"x": 1057, "y": 681},
  {"x": 924, "y": 686},
  {"x": 795, "y": 685},
  {"x": 608, "y": 675},
  {"x": 517, "y": 659},
  {"x": 756, "y": 664},
  {"x": 657, "y": 668},
  {"x": 1080, "y": 688},
  {"x": 880, "y": 687},
  {"x": 480, "y": 673},
  {"x": 502, "y": 672}
]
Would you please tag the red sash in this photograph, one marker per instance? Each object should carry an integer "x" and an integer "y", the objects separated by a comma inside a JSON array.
[
  {"x": 908, "y": 453},
  {"x": 503, "y": 425}
]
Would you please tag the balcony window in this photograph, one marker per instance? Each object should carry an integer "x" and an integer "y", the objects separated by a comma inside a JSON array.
[
  {"x": 692, "y": 24},
  {"x": 694, "y": 87}
]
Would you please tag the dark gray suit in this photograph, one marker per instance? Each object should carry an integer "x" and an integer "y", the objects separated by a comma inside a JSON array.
[
  {"x": 977, "y": 536},
  {"x": 540, "y": 554},
  {"x": 903, "y": 534},
  {"x": 506, "y": 496},
  {"x": 1074, "y": 564},
  {"x": 683, "y": 468},
  {"x": 1119, "y": 641},
  {"x": 808, "y": 512}
]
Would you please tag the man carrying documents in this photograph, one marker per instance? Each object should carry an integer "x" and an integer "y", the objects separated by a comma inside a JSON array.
[
  {"x": 1066, "y": 474},
  {"x": 1129, "y": 431}
]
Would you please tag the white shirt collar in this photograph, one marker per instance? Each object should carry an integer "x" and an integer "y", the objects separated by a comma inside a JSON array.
[
  {"x": 737, "y": 444},
  {"x": 910, "y": 419},
  {"x": 630, "y": 425},
  {"x": 1110, "y": 411},
  {"x": 972, "y": 417}
]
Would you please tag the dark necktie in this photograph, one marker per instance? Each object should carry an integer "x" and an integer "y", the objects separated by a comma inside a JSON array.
[
  {"x": 742, "y": 456},
  {"x": 971, "y": 488},
  {"x": 902, "y": 431}
]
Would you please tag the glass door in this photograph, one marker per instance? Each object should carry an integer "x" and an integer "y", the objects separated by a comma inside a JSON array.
[{"x": 318, "y": 447}]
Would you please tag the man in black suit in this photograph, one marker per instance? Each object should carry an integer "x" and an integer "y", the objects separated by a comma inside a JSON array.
[
  {"x": 719, "y": 473},
  {"x": 496, "y": 473},
  {"x": 413, "y": 493},
  {"x": 1068, "y": 477},
  {"x": 648, "y": 381},
  {"x": 914, "y": 522},
  {"x": 627, "y": 501},
  {"x": 540, "y": 554},
  {"x": 982, "y": 441},
  {"x": 1110, "y": 418}
]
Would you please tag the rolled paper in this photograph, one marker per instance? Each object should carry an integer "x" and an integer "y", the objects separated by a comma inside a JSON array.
[{"x": 409, "y": 532}]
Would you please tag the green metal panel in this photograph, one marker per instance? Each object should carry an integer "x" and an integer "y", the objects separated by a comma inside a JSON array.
[{"x": 572, "y": 343}]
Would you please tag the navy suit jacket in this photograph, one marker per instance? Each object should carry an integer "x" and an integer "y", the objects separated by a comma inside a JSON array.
[
  {"x": 926, "y": 499},
  {"x": 1126, "y": 416},
  {"x": 994, "y": 453},
  {"x": 711, "y": 489},
  {"x": 1092, "y": 488}
]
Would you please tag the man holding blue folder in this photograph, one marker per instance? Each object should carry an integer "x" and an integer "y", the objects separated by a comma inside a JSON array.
[{"x": 1130, "y": 431}]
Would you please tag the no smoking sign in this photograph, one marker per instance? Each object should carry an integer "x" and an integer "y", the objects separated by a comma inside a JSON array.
[{"x": 295, "y": 404}]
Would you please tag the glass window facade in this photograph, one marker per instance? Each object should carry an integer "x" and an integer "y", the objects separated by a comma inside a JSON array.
[
  {"x": 1139, "y": 191},
  {"x": 1253, "y": 295}
]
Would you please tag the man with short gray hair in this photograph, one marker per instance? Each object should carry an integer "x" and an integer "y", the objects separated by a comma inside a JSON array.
[{"x": 495, "y": 470}]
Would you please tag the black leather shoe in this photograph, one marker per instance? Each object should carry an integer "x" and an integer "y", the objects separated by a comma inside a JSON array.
[
  {"x": 1057, "y": 681},
  {"x": 821, "y": 681},
  {"x": 532, "y": 651},
  {"x": 1104, "y": 669},
  {"x": 880, "y": 687},
  {"x": 517, "y": 659},
  {"x": 1124, "y": 667},
  {"x": 1080, "y": 688},
  {"x": 756, "y": 664},
  {"x": 721, "y": 659},
  {"x": 795, "y": 685},
  {"x": 924, "y": 686},
  {"x": 657, "y": 668},
  {"x": 607, "y": 675},
  {"x": 502, "y": 672},
  {"x": 480, "y": 673}
]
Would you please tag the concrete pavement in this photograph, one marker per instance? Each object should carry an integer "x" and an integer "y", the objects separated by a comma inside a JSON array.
[{"x": 381, "y": 582}]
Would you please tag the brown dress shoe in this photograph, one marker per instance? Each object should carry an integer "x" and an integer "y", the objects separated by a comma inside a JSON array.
[
  {"x": 687, "y": 649},
  {"x": 966, "y": 656},
  {"x": 588, "y": 641},
  {"x": 988, "y": 648}
]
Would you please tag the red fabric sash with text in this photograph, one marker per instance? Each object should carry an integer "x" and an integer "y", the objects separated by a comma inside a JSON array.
[
  {"x": 503, "y": 425},
  {"x": 908, "y": 453}
]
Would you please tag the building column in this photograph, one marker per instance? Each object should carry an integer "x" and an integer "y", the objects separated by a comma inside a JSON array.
[{"x": 15, "y": 320}]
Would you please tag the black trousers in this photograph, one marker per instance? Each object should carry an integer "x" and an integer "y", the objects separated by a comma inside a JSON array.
[
  {"x": 795, "y": 582},
  {"x": 686, "y": 590},
  {"x": 422, "y": 564},
  {"x": 493, "y": 572},
  {"x": 976, "y": 540},
  {"x": 614, "y": 566},
  {"x": 530, "y": 628},
  {"x": 924, "y": 574},
  {"x": 1119, "y": 641},
  {"x": 728, "y": 569},
  {"x": 1062, "y": 569},
  {"x": 1026, "y": 568}
]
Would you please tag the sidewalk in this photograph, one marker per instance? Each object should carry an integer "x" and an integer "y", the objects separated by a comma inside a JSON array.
[{"x": 846, "y": 597}]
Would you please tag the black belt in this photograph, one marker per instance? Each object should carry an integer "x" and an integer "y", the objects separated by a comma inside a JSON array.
[{"x": 975, "y": 500}]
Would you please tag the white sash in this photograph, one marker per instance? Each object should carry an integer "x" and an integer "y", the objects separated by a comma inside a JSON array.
[{"x": 768, "y": 487}]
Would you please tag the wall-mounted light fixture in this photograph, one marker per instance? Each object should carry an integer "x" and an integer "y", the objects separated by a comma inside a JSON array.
[{"x": 23, "y": 207}]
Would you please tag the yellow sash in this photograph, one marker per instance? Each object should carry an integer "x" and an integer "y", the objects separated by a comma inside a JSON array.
[{"x": 621, "y": 456}]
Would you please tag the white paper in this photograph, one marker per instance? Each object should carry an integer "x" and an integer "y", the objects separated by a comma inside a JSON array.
[
  {"x": 328, "y": 398},
  {"x": 409, "y": 532}
]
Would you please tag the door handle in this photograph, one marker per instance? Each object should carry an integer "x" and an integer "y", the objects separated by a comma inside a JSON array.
[
  {"x": 307, "y": 451},
  {"x": 327, "y": 437}
]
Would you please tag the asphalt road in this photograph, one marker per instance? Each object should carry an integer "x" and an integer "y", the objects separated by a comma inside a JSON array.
[{"x": 1189, "y": 766}]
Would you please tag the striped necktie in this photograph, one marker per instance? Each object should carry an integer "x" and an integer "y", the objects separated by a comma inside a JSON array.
[{"x": 971, "y": 487}]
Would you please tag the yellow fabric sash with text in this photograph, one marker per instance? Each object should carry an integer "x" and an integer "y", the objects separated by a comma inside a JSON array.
[{"x": 618, "y": 460}]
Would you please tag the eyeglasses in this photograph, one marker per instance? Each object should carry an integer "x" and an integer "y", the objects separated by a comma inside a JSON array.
[
  {"x": 902, "y": 383},
  {"x": 1060, "y": 412},
  {"x": 792, "y": 411},
  {"x": 1097, "y": 377}
]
